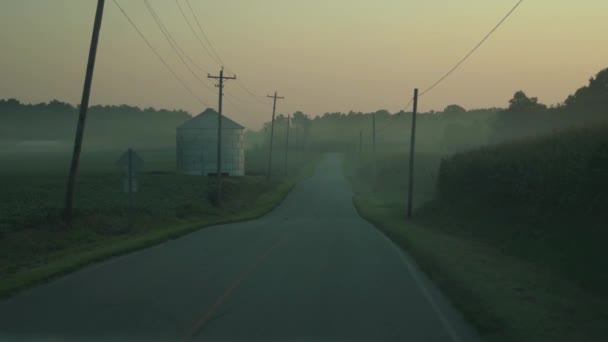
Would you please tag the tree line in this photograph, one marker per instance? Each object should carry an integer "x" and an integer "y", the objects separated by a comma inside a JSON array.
[
  {"x": 56, "y": 120},
  {"x": 451, "y": 130}
]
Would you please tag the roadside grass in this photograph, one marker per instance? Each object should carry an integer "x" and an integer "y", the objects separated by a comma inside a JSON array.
[
  {"x": 35, "y": 247},
  {"x": 508, "y": 298}
]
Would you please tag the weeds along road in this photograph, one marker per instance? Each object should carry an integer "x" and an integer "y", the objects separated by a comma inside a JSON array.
[{"x": 312, "y": 270}]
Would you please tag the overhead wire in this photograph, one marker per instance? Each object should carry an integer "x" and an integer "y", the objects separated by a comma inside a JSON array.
[
  {"x": 164, "y": 62},
  {"x": 257, "y": 98},
  {"x": 473, "y": 50},
  {"x": 204, "y": 34},
  {"x": 451, "y": 71},
  {"x": 233, "y": 105},
  {"x": 212, "y": 52},
  {"x": 390, "y": 121},
  {"x": 183, "y": 13},
  {"x": 174, "y": 45}
]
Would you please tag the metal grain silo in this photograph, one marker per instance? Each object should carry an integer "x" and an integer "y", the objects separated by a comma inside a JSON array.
[{"x": 197, "y": 146}]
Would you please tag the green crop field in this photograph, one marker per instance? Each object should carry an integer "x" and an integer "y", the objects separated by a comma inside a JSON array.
[{"x": 33, "y": 236}]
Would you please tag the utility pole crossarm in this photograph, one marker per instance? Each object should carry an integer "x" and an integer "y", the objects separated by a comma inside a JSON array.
[{"x": 225, "y": 77}]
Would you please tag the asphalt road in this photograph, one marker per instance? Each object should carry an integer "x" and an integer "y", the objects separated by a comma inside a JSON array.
[{"x": 312, "y": 270}]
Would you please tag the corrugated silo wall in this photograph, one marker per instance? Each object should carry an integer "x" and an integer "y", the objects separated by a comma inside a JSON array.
[
  {"x": 189, "y": 151},
  {"x": 233, "y": 152},
  {"x": 197, "y": 148}
]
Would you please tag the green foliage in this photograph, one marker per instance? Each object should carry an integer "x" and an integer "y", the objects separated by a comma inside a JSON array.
[
  {"x": 454, "y": 109},
  {"x": 565, "y": 171},
  {"x": 592, "y": 98},
  {"x": 506, "y": 298},
  {"x": 522, "y": 104},
  {"x": 389, "y": 188},
  {"x": 551, "y": 191},
  {"x": 452, "y": 130},
  {"x": 479, "y": 254}
]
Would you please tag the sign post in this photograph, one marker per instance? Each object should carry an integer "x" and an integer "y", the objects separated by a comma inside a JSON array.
[{"x": 131, "y": 164}]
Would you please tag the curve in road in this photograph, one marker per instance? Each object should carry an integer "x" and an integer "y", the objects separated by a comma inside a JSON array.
[{"x": 312, "y": 270}]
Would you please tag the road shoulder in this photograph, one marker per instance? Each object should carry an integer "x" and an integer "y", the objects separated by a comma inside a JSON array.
[{"x": 506, "y": 298}]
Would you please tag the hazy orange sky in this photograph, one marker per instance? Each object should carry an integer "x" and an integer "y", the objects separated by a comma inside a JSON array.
[{"x": 323, "y": 56}]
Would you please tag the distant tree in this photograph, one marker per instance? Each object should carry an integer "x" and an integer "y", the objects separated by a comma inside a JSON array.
[
  {"x": 58, "y": 106},
  {"x": 454, "y": 109},
  {"x": 383, "y": 113},
  {"x": 10, "y": 103},
  {"x": 521, "y": 103},
  {"x": 301, "y": 119},
  {"x": 303, "y": 123},
  {"x": 280, "y": 118},
  {"x": 591, "y": 98},
  {"x": 524, "y": 117}
]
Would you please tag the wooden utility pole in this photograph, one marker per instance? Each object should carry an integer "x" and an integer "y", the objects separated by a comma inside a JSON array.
[
  {"x": 287, "y": 147},
  {"x": 374, "y": 147},
  {"x": 130, "y": 187},
  {"x": 221, "y": 77},
  {"x": 410, "y": 196},
  {"x": 130, "y": 179},
  {"x": 84, "y": 105},
  {"x": 361, "y": 143},
  {"x": 296, "y": 145},
  {"x": 274, "y": 109}
]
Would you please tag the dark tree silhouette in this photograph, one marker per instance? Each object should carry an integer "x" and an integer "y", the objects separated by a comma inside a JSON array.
[
  {"x": 521, "y": 103},
  {"x": 592, "y": 98},
  {"x": 454, "y": 109}
]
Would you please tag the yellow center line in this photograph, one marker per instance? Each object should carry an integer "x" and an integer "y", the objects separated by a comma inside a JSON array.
[{"x": 200, "y": 324}]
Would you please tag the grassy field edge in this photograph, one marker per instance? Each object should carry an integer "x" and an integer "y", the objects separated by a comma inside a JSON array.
[
  {"x": 465, "y": 301},
  {"x": 56, "y": 268},
  {"x": 505, "y": 298}
]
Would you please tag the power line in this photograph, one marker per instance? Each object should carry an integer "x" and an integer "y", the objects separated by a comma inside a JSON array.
[
  {"x": 158, "y": 55},
  {"x": 474, "y": 49},
  {"x": 217, "y": 58},
  {"x": 174, "y": 45},
  {"x": 195, "y": 33},
  {"x": 390, "y": 121},
  {"x": 254, "y": 96},
  {"x": 233, "y": 104},
  {"x": 183, "y": 13},
  {"x": 203, "y": 32}
]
